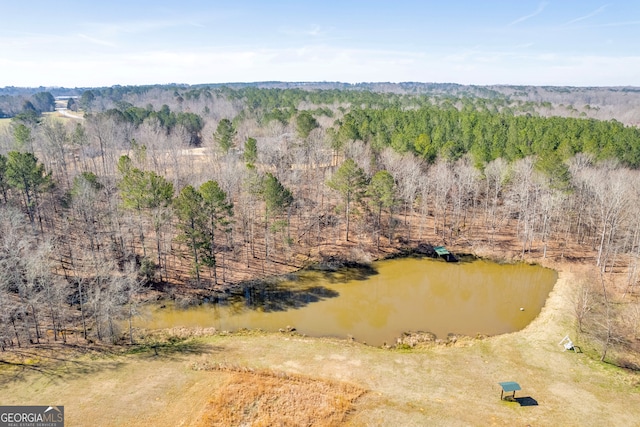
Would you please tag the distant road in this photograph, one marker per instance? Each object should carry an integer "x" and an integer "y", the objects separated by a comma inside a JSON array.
[{"x": 66, "y": 113}]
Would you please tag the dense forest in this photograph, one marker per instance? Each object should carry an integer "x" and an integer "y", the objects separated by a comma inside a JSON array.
[{"x": 193, "y": 190}]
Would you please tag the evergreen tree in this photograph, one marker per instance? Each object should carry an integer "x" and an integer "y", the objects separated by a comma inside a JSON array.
[
  {"x": 251, "y": 151},
  {"x": 218, "y": 211},
  {"x": 44, "y": 101},
  {"x": 86, "y": 100},
  {"x": 193, "y": 124},
  {"x": 224, "y": 135},
  {"x": 350, "y": 181},
  {"x": 72, "y": 105},
  {"x": 188, "y": 208},
  {"x": 382, "y": 191},
  {"x": 145, "y": 192},
  {"x": 555, "y": 170},
  {"x": 276, "y": 196},
  {"x": 305, "y": 123},
  {"x": 27, "y": 175},
  {"x": 277, "y": 199},
  {"x": 22, "y": 137}
]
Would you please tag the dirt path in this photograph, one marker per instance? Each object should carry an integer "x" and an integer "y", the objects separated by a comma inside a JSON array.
[
  {"x": 64, "y": 112},
  {"x": 454, "y": 385}
]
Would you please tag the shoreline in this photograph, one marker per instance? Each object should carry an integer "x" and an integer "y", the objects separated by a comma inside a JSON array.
[
  {"x": 411, "y": 337},
  {"x": 417, "y": 386}
]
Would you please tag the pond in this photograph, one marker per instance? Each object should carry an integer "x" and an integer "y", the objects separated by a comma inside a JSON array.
[{"x": 377, "y": 305}]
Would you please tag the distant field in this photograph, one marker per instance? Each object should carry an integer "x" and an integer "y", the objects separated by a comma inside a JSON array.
[
  {"x": 63, "y": 115},
  {"x": 4, "y": 123}
]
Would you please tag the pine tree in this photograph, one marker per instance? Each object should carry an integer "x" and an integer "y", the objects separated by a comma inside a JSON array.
[{"x": 350, "y": 181}]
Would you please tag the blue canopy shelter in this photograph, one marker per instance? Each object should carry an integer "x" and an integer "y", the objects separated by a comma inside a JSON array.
[{"x": 509, "y": 387}]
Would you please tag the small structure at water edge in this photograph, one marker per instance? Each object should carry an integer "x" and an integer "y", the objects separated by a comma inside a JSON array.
[
  {"x": 569, "y": 345},
  {"x": 509, "y": 387},
  {"x": 445, "y": 254}
]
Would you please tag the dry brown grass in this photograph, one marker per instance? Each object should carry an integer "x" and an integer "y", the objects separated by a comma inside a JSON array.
[
  {"x": 264, "y": 398},
  {"x": 262, "y": 379}
]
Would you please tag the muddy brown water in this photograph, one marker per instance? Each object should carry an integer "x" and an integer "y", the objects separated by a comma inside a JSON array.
[{"x": 376, "y": 306}]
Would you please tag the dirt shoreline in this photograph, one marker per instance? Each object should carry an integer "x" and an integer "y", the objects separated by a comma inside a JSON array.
[{"x": 456, "y": 384}]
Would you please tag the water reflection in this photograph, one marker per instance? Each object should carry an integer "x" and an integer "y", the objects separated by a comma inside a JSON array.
[{"x": 377, "y": 304}]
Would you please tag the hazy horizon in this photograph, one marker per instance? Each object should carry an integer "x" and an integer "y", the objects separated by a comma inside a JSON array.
[
  {"x": 267, "y": 83},
  {"x": 551, "y": 43}
]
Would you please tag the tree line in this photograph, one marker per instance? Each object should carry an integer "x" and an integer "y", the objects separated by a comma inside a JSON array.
[
  {"x": 433, "y": 132},
  {"x": 96, "y": 211},
  {"x": 37, "y": 103}
]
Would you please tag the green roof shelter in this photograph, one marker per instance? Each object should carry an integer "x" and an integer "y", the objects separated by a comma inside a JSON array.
[
  {"x": 509, "y": 387},
  {"x": 444, "y": 253},
  {"x": 441, "y": 250}
]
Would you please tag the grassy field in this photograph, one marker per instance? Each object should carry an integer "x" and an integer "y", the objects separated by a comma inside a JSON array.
[
  {"x": 4, "y": 123},
  {"x": 255, "y": 378}
]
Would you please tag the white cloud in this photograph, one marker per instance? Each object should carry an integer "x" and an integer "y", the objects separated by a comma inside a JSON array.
[
  {"x": 589, "y": 15},
  {"x": 133, "y": 27},
  {"x": 97, "y": 41},
  {"x": 318, "y": 63},
  {"x": 312, "y": 31},
  {"x": 616, "y": 24},
  {"x": 538, "y": 11}
]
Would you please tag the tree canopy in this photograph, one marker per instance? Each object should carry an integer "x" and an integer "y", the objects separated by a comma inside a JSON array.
[
  {"x": 305, "y": 123},
  {"x": 224, "y": 135},
  {"x": 25, "y": 173},
  {"x": 350, "y": 181},
  {"x": 451, "y": 133}
]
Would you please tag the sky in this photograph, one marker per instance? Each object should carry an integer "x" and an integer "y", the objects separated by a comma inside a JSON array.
[{"x": 73, "y": 43}]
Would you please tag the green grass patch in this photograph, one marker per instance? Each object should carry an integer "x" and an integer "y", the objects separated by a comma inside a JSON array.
[{"x": 170, "y": 345}]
